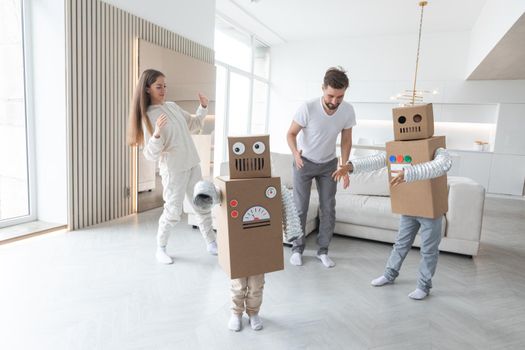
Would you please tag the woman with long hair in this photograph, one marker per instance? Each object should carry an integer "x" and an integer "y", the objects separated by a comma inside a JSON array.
[{"x": 163, "y": 129}]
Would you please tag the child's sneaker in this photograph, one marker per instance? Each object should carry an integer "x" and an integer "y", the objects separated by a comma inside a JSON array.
[
  {"x": 235, "y": 323},
  {"x": 256, "y": 322}
]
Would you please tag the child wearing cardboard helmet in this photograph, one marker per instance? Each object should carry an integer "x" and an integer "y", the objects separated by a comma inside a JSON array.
[
  {"x": 250, "y": 223},
  {"x": 417, "y": 164}
]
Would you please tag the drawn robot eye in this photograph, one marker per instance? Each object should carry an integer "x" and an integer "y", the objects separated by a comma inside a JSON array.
[
  {"x": 238, "y": 148},
  {"x": 258, "y": 147},
  {"x": 401, "y": 120},
  {"x": 417, "y": 118}
]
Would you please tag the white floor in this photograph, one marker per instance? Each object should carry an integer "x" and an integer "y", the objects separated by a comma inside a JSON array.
[{"x": 101, "y": 288}]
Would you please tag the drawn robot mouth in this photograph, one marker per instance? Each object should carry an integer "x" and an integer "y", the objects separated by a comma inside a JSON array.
[
  {"x": 409, "y": 129},
  {"x": 249, "y": 164}
]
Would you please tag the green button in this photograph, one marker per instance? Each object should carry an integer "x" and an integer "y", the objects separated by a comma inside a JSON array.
[{"x": 408, "y": 159}]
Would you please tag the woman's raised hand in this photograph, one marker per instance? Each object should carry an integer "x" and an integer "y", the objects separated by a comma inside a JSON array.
[
  {"x": 161, "y": 122},
  {"x": 203, "y": 100}
]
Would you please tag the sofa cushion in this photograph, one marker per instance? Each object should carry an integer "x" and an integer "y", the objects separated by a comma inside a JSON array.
[
  {"x": 282, "y": 167},
  {"x": 362, "y": 210},
  {"x": 466, "y": 199},
  {"x": 369, "y": 211},
  {"x": 374, "y": 183}
]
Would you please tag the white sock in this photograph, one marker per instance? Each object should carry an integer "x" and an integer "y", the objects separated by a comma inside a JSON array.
[
  {"x": 418, "y": 294},
  {"x": 380, "y": 281},
  {"x": 256, "y": 322},
  {"x": 327, "y": 262},
  {"x": 296, "y": 259},
  {"x": 162, "y": 256},
  {"x": 235, "y": 323},
  {"x": 212, "y": 248}
]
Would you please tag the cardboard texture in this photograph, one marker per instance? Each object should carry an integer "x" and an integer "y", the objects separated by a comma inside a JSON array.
[
  {"x": 413, "y": 122},
  {"x": 427, "y": 198},
  {"x": 249, "y": 157},
  {"x": 249, "y": 226}
]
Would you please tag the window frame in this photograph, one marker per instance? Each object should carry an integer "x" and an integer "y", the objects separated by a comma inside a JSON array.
[
  {"x": 25, "y": 15},
  {"x": 252, "y": 77}
]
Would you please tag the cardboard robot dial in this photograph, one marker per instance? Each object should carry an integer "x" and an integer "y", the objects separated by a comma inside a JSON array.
[{"x": 256, "y": 216}]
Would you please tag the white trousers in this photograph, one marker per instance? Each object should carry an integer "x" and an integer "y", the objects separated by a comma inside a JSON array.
[{"x": 175, "y": 186}]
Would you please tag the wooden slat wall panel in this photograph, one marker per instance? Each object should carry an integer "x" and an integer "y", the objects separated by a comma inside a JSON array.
[
  {"x": 89, "y": 121},
  {"x": 102, "y": 69},
  {"x": 83, "y": 121},
  {"x": 98, "y": 111}
]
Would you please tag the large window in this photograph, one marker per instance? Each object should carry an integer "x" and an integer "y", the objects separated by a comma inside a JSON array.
[
  {"x": 243, "y": 70},
  {"x": 238, "y": 104},
  {"x": 14, "y": 179}
]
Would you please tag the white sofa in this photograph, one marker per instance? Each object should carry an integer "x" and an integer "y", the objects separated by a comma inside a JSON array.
[{"x": 363, "y": 210}]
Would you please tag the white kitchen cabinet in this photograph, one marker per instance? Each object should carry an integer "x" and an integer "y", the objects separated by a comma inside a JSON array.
[{"x": 507, "y": 174}]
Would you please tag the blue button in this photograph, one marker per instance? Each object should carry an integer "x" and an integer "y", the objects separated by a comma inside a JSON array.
[{"x": 392, "y": 159}]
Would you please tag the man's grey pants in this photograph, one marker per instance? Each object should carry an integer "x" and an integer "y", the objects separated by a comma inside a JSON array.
[
  {"x": 430, "y": 239},
  {"x": 327, "y": 187}
]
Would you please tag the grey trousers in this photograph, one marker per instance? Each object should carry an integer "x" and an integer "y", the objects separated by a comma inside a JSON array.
[
  {"x": 327, "y": 187},
  {"x": 430, "y": 239}
]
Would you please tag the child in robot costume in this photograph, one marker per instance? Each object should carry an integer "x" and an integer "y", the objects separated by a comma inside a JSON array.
[
  {"x": 247, "y": 292},
  {"x": 409, "y": 225}
]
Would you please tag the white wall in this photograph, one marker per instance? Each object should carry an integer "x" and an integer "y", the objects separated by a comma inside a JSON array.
[
  {"x": 193, "y": 19},
  {"x": 380, "y": 67},
  {"x": 47, "y": 61}
]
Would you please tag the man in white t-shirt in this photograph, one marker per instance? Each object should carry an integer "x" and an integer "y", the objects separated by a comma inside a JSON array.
[{"x": 318, "y": 123}]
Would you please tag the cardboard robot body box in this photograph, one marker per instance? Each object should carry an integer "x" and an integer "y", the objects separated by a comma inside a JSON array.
[
  {"x": 427, "y": 198},
  {"x": 249, "y": 225}
]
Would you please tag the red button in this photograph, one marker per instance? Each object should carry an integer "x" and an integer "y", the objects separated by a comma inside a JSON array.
[
  {"x": 233, "y": 203},
  {"x": 400, "y": 159},
  {"x": 234, "y": 214}
]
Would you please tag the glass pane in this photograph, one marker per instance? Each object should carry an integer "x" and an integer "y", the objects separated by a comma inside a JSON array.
[
  {"x": 259, "y": 107},
  {"x": 261, "y": 64},
  {"x": 220, "y": 114},
  {"x": 238, "y": 104},
  {"x": 232, "y": 47},
  {"x": 14, "y": 192}
]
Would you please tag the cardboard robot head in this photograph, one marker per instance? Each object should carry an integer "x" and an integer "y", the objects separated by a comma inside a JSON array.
[
  {"x": 413, "y": 122},
  {"x": 249, "y": 156}
]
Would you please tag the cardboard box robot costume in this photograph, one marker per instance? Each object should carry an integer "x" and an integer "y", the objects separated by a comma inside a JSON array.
[
  {"x": 423, "y": 158},
  {"x": 414, "y": 144},
  {"x": 249, "y": 225},
  {"x": 252, "y": 206}
]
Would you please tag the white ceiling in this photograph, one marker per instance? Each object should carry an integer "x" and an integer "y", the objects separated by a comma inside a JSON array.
[
  {"x": 507, "y": 59},
  {"x": 279, "y": 21}
]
